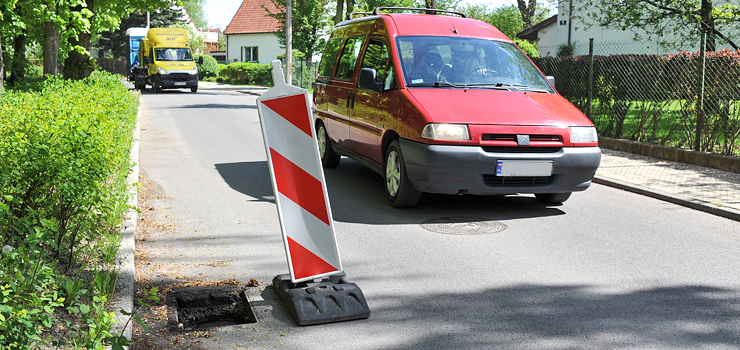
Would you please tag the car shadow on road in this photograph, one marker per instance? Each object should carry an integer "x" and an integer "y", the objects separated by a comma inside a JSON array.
[{"x": 356, "y": 196}]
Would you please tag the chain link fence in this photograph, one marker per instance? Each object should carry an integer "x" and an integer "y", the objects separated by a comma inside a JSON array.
[
  {"x": 304, "y": 73},
  {"x": 680, "y": 99}
]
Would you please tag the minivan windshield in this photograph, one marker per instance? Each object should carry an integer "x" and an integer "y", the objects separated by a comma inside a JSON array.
[{"x": 439, "y": 61}]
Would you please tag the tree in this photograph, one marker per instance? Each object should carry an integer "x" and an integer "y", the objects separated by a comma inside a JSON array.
[
  {"x": 507, "y": 19},
  {"x": 527, "y": 10},
  {"x": 105, "y": 15},
  {"x": 194, "y": 9},
  {"x": 8, "y": 20},
  {"x": 682, "y": 19},
  {"x": 115, "y": 42},
  {"x": 309, "y": 23}
]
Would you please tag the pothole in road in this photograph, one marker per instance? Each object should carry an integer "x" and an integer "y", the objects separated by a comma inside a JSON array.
[
  {"x": 463, "y": 226},
  {"x": 206, "y": 307}
]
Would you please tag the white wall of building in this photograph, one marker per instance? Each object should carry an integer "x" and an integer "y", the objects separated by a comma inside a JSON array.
[
  {"x": 607, "y": 41},
  {"x": 267, "y": 44}
]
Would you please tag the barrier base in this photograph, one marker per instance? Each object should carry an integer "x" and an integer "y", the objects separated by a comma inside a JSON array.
[{"x": 333, "y": 299}]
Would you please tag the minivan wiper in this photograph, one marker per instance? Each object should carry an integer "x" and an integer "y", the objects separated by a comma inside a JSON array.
[
  {"x": 508, "y": 86},
  {"x": 436, "y": 84}
]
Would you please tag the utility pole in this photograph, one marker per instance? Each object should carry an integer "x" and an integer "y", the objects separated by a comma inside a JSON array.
[{"x": 288, "y": 42}]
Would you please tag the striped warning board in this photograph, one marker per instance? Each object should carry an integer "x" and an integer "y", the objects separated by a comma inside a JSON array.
[{"x": 298, "y": 180}]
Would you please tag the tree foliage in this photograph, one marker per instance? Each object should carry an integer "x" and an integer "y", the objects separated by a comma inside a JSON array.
[
  {"x": 308, "y": 23},
  {"x": 114, "y": 42},
  {"x": 683, "y": 20},
  {"x": 195, "y": 11}
]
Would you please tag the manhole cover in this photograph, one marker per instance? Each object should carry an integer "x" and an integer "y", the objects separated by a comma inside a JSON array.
[{"x": 463, "y": 226}]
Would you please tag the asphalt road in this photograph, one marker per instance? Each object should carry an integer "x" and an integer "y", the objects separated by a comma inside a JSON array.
[{"x": 607, "y": 269}]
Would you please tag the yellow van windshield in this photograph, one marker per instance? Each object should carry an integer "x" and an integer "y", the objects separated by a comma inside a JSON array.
[{"x": 173, "y": 54}]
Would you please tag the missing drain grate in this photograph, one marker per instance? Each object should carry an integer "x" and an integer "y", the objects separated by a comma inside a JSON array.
[
  {"x": 206, "y": 307},
  {"x": 463, "y": 226}
]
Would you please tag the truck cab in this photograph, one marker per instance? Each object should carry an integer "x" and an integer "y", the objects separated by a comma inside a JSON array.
[{"x": 166, "y": 61}]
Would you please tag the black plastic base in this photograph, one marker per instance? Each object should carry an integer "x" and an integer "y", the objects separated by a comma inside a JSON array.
[{"x": 333, "y": 299}]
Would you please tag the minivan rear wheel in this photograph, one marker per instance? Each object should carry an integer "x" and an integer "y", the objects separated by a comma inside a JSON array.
[
  {"x": 552, "y": 198},
  {"x": 329, "y": 158},
  {"x": 398, "y": 188}
]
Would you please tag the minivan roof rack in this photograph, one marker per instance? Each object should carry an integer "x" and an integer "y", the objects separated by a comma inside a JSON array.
[
  {"x": 358, "y": 14},
  {"x": 377, "y": 10}
]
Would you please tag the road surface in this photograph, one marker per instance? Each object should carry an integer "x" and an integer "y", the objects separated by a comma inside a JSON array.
[{"x": 607, "y": 269}]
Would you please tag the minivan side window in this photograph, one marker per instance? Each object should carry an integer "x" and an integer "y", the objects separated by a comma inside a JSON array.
[
  {"x": 329, "y": 56},
  {"x": 376, "y": 57},
  {"x": 348, "y": 59}
]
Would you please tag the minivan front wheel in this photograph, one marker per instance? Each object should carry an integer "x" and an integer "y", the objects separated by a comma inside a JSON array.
[
  {"x": 398, "y": 188},
  {"x": 552, "y": 198},
  {"x": 329, "y": 158}
]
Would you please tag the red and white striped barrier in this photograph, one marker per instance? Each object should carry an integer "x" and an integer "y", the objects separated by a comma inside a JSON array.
[{"x": 298, "y": 180}]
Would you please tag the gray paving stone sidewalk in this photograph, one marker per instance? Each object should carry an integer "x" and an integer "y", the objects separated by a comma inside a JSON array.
[{"x": 715, "y": 187}]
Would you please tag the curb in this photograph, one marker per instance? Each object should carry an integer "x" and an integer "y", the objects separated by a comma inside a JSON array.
[
  {"x": 124, "y": 296},
  {"x": 706, "y": 207}
]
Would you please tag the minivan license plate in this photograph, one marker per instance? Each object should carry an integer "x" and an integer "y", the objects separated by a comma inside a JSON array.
[
  {"x": 179, "y": 83},
  {"x": 524, "y": 168}
]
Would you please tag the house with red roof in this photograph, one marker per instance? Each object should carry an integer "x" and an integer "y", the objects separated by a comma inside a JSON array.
[{"x": 250, "y": 37}]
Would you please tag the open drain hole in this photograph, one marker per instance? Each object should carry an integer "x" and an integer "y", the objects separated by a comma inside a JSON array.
[
  {"x": 206, "y": 307},
  {"x": 463, "y": 226}
]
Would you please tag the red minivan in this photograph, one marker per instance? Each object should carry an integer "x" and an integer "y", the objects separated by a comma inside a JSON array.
[{"x": 446, "y": 104}]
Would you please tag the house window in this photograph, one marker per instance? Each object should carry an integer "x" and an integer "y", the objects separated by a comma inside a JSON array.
[{"x": 249, "y": 54}]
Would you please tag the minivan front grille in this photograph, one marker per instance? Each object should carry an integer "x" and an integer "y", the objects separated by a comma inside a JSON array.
[
  {"x": 520, "y": 149},
  {"x": 493, "y": 180},
  {"x": 512, "y": 137}
]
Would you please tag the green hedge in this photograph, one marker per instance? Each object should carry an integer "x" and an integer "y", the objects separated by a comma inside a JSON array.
[
  {"x": 246, "y": 73},
  {"x": 64, "y": 158},
  {"x": 209, "y": 68}
]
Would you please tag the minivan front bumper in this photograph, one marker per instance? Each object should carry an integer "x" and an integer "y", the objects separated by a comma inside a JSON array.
[{"x": 447, "y": 169}]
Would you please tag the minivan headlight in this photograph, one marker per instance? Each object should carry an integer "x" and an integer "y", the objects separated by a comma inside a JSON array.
[
  {"x": 161, "y": 70},
  {"x": 446, "y": 132},
  {"x": 582, "y": 134}
]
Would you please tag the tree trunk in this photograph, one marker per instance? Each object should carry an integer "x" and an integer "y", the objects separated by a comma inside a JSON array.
[
  {"x": 79, "y": 66},
  {"x": 430, "y": 4},
  {"x": 2, "y": 66},
  {"x": 340, "y": 12},
  {"x": 51, "y": 47},
  {"x": 527, "y": 11},
  {"x": 350, "y": 6},
  {"x": 18, "y": 67}
]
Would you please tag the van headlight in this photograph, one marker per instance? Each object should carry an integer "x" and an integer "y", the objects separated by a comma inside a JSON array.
[
  {"x": 455, "y": 132},
  {"x": 161, "y": 70},
  {"x": 194, "y": 71},
  {"x": 583, "y": 134}
]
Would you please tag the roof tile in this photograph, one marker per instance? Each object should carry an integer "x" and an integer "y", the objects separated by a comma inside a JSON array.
[{"x": 252, "y": 18}]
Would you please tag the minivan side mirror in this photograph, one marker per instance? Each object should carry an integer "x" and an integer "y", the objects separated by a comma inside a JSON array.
[
  {"x": 367, "y": 80},
  {"x": 200, "y": 60},
  {"x": 551, "y": 79}
]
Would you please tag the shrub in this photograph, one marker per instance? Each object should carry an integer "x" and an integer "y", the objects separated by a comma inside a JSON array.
[
  {"x": 64, "y": 158},
  {"x": 246, "y": 73},
  {"x": 527, "y": 47},
  {"x": 209, "y": 68}
]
